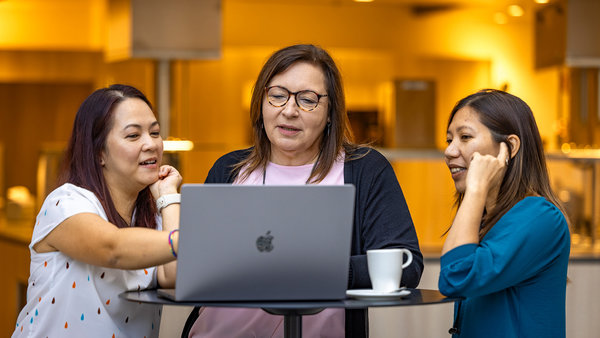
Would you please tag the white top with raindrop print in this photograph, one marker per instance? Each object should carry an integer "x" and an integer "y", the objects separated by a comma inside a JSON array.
[{"x": 68, "y": 298}]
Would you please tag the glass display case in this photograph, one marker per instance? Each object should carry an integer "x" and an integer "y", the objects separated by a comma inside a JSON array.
[{"x": 575, "y": 179}]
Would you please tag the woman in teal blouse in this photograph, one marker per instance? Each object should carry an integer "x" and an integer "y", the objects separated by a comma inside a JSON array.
[{"x": 508, "y": 247}]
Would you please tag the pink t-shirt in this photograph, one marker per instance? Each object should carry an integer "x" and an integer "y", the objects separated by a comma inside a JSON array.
[{"x": 228, "y": 322}]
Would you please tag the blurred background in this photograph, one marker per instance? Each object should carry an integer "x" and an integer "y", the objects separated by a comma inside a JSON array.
[{"x": 405, "y": 63}]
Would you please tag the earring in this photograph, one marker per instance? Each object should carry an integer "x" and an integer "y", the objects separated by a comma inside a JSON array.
[{"x": 327, "y": 127}]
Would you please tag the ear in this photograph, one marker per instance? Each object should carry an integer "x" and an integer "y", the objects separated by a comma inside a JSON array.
[
  {"x": 515, "y": 144},
  {"x": 102, "y": 159}
]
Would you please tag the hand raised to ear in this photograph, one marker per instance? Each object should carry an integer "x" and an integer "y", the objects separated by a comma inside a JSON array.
[{"x": 485, "y": 172}]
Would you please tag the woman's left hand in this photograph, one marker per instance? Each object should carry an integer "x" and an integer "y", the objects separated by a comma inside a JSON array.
[
  {"x": 484, "y": 177},
  {"x": 486, "y": 171},
  {"x": 168, "y": 181}
]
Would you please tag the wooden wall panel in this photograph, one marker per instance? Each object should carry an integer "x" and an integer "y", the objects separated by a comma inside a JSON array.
[
  {"x": 429, "y": 192},
  {"x": 32, "y": 114}
]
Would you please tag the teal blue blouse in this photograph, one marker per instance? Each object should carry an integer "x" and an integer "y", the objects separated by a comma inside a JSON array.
[{"x": 514, "y": 281}]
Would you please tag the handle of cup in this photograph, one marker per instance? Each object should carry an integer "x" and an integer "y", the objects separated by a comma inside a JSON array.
[{"x": 409, "y": 260}]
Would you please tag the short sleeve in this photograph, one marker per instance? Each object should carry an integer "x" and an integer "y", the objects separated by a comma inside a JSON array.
[{"x": 62, "y": 203}]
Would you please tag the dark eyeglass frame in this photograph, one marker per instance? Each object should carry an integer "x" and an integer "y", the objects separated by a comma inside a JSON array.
[{"x": 319, "y": 96}]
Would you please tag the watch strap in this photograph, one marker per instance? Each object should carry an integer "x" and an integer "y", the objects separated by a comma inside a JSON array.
[{"x": 166, "y": 200}]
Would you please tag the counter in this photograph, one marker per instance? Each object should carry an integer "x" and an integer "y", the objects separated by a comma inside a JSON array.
[
  {"x": 577, "y": 254},
  {"x": 18, "y": 232},
  {"x": 14, "y": 260}
]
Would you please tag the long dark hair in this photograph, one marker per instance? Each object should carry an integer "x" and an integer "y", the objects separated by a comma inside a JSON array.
[
  {"x": 81, "y": 166},
  {"x": 505, "y": 114},
  {"x": 337, "y": 135}
]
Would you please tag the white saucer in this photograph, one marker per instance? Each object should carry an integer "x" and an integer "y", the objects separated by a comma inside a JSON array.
[{"x": 369, "y": 294}]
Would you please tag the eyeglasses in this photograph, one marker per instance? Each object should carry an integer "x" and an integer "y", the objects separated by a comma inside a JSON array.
[{"x": 307, "y": 100}]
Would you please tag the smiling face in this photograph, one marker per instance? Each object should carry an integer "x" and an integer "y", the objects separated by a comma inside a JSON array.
[
  {"x": 133, "y": 150},
  {"x": 465, "y": 136},
  {"x": 295, "y": 135}
]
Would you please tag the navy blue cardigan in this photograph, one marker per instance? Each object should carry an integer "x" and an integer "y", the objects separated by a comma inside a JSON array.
[{"x": 381, "y": 220}]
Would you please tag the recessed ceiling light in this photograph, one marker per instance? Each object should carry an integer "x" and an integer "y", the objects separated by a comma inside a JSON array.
[
  {"x": 364, "y": 0},
  {"x": 515, "y": 10}
]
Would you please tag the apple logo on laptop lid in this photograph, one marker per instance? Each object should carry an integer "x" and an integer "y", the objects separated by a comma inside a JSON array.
[{"x": 265, "y": 243}]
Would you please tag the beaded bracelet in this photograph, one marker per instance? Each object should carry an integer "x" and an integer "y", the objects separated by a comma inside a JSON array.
[{"x": 171, "y": 242}]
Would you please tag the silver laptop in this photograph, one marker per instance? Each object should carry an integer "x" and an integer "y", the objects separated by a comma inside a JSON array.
[{"x": 244, "y": 242}]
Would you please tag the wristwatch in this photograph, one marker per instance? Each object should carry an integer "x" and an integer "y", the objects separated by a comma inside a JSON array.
[{"x": 166, "y": 200}]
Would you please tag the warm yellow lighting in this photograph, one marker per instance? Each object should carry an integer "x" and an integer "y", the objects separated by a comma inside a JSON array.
[
  {"x": 515, "y": 10},
  {"x": 48, "y": 25},
  {"x": 564, "y": 196},
  {"x": 565, "y": 148},
  {"x": 585, "y": 153},
  {"x": 500, "y": 18},
  {"x": 364, "y": 0},
  {"x": 177, "y": 145},
  {"x": 19, "y": 194},
  {"x": 542, "y": 1}
]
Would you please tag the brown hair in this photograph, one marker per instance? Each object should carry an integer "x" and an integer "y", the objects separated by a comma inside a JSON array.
[
  {"x": 505, "y": 114},
  {"x": 337, "y": 135},
  {"x": 81, "y": 166}
]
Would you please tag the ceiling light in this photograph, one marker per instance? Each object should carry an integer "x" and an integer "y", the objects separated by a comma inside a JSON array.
[
  {"x": 542, "y": 1},
  {"x": 364, "y": 0},
  {"x": 515, "y": 10},
  {"x": 177, "y": 145}
]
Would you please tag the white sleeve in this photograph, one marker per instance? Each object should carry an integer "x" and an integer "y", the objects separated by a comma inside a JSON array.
[{"x": 62, "y": 203}]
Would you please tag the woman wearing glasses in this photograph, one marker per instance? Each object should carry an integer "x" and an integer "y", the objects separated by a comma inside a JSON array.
[{"x": 301, "y": 136}]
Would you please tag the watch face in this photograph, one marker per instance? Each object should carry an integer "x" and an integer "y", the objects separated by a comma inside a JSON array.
[{"x": 160, "y": 203}]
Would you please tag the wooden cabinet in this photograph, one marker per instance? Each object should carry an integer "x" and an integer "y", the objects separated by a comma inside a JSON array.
[
  {"x": 14, "y": 263},
  {"x": 583, "y": 92},
  {"x": 415, "y": 114}
]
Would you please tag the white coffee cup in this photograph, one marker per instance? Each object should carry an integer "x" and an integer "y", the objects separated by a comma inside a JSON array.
[{"x": 385, "y": 268}]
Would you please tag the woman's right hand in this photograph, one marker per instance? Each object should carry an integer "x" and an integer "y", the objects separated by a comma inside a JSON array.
[{"x": 486, "y": 172}]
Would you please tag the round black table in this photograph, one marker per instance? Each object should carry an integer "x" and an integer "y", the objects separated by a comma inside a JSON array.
[{"x": 292, "y": 311}]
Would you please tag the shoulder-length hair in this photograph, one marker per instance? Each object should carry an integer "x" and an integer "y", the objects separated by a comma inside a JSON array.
[
  {"x": 81, "y": 166},
  {"x": 337, "y": 135},
  {"x": 505, "y": 114}
]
